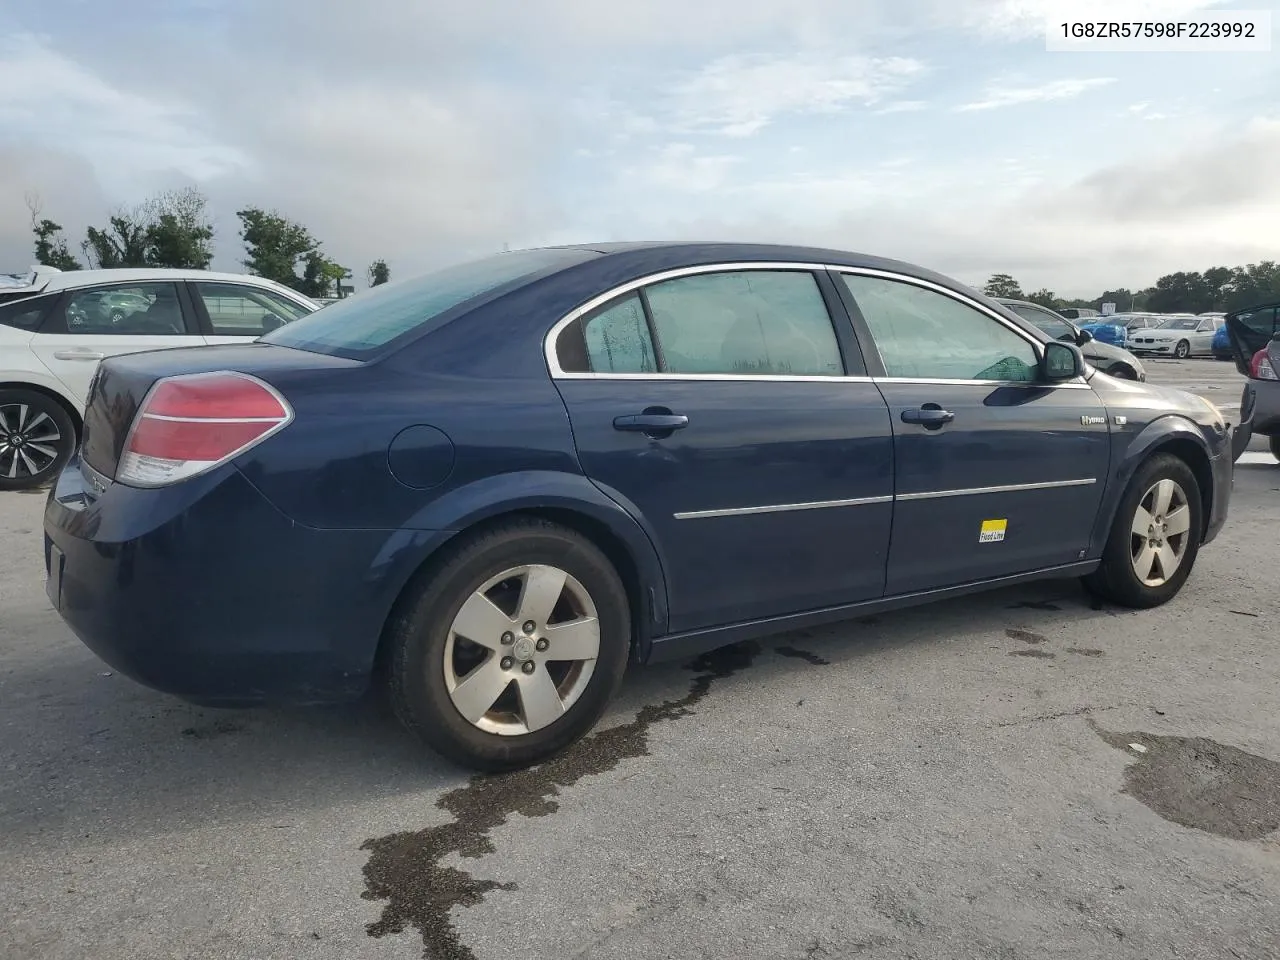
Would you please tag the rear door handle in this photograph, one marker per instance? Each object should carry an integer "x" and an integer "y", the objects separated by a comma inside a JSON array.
[
  {"x": 931, "y": 416},
  {"x": 651, "y": 422},
  {"x": 78, "y": 355}
]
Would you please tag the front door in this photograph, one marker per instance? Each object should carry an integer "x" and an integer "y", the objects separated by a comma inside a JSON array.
[
  {"x": 88, "y": 325},
  {"x": 239, "y": 312},
  {"x": 997, "y": 474},
  {"x": 719, "y": 408}
]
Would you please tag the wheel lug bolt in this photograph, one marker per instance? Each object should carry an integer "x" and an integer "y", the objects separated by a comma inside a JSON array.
[
  {"x": 508, "y": 637},
  {"x": 507, "y": 663},
  {"x": 530, "y": 626},
  {"x": 542, "y": 644},
  {"x": 528, "y": 666}
]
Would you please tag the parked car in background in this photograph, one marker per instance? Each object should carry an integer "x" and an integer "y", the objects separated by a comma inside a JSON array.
[
  {"x": 1105, "y": 329},
  {"x": 1255, "y": 341},
  {"x": 53, "y": 336},
  {"x": 1111, "y": 360},
  {"x": 1181, "y": 337},
  {"x": 1078, "y": 313},
  {"x": 502, "y": 482}
]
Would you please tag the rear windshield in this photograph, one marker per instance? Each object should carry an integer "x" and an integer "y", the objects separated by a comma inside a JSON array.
[{"x": 369, "y": 321}]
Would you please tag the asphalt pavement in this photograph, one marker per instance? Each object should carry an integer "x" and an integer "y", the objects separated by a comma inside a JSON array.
[{"x": 1023, "y": 774}]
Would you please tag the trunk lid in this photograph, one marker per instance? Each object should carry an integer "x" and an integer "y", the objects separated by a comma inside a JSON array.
[
  {"x": 1252, "y": 329},
  {"x": 121, "y": 383}
]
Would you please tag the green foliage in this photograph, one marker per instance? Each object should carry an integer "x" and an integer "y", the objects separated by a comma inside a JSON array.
[
  {"x": 51, "y": 246},
  {"x": 322, "y": 277},
  {"x": 1045, "y": 298},
  {"x": 379, "y": 273},
  {"x": 1003, "y": 285},
  {"x": 179, "y": 234},
  {"x": 122, "y": 244},
  {"x": 274, "y": 245}
]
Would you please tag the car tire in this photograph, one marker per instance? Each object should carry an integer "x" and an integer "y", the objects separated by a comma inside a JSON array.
[
  {"x": 31, "y": 425},
  {"x": 425, "y": 645},
  {"x": 1274, "y": 443},
  {"x": 1182, "y": 350},
  {"x": 1123, "y": 371},
  {"x": 1117, "y": 579}
]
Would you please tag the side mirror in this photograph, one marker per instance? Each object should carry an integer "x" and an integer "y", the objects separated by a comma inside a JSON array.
[
  {"x": 1083, "y": 337},
  {"x": 1062, "y": 361}
]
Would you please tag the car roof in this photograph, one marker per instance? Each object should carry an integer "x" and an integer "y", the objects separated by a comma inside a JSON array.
[{"x": 73, "y": 279}]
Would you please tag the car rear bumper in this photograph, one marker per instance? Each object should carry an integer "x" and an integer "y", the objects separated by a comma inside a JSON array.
[
  {"x": 206, "y": 591},
  {"x": 1262, "y": 399}
]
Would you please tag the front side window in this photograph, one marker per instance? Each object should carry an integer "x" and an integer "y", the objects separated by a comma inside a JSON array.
[
  {"x": 137, "y": 309},
  {"x": 236, "y": 310},
  {"x": 922, "y": 334},
  {"x": 745, "y": 322},
  {"x": 617, "y": 339}
]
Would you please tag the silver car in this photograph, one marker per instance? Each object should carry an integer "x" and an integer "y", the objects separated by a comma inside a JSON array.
[{"x": 1181, "y": 337}]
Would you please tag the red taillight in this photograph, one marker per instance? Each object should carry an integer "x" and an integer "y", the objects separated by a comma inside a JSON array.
[
  {"x": 190, "y": 424},
  {"x": 1260, "y": 367}
]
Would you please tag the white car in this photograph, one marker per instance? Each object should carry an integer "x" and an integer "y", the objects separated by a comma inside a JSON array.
[
  {"x": 55, "y": 327},
  {"x": 1186, "y": 336}
]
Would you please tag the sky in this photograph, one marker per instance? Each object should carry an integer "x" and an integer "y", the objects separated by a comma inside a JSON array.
[{"x": 936, "y": 131}]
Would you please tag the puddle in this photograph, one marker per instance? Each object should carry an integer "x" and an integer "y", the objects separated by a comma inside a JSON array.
[
  {"x": 406, "y": 869},
  {"x": 1036, "y": 654},
  {"x": 1026, "y": 636},
  {"x": 804, "y": 655},
  {"x": 1199, "y": 783}
]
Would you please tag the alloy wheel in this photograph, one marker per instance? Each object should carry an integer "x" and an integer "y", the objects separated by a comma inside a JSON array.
[
  {"x": 1160, "y": 533},
  {"x": 28, "y": 441},
  {"x": 1182, "y": 350},
  {"x": 521, "y": 650}
]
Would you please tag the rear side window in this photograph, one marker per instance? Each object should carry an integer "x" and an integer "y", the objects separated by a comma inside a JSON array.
[
  {"x": 618, "y": 341},
  {"x": 363, "y": 324},
  {"x": 24, "y": 314}
]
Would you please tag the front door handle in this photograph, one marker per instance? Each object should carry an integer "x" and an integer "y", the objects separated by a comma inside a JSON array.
[
  {"x": 651, "y": 422},
  {"x": 78, "y": 355},
  {"x": 930, "y": 416}
]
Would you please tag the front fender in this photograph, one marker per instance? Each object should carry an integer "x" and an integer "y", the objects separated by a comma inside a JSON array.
[
  {"x": 1125, "y": 461},
  {"x": 439, "y": 521}
]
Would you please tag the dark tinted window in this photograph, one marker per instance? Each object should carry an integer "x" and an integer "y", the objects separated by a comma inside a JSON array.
[
  {"x": 24, "y": 314},
  {"x": 361, "y": 325}
]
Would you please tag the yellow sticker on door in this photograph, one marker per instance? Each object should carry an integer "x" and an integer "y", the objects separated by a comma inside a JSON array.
[{"x": 993, "y": 531}]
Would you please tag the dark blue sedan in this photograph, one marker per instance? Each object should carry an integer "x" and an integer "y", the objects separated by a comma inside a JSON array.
[{"x": 492, "y": 487}]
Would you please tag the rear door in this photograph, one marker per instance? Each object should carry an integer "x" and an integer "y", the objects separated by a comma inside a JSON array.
[
  {"x": 726, "y": 408},
  {"x": 238, "y": 312},
  {"x": 996, "y": 473},
  {"x": 90, "y": 324}
]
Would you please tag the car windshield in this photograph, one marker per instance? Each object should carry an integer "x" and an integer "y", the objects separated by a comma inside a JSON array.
[
  {"x": 1180, "y": 323},
  {"x": 362, "y": 325}
]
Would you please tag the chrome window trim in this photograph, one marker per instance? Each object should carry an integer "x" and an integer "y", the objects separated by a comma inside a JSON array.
[
  {"x": 1006, "y": 488},
  {"x": 675, "y": 273},
  {"x": 780, "y": 508},
  {"x": 866, "y": 501}
]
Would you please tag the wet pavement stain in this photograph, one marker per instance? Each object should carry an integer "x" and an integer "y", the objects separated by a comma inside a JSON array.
[
  {"x": 1026, "y": 636},
  {"x": 405, "y": 869},
  {"x": 1199, "y": 783},
  {"x": 1085, "y": 651},
  {"x": 1033, "y": 605},
  {"x": 1243, "y": 613},
  {"x": 805, "y": 655},
  {"x": 1036, "y": 654}
]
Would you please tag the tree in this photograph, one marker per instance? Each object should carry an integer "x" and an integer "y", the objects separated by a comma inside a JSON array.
[
  {"x": 379, "y": 273},
  {"x": 1122, "y": 298},
  {"x": 1044, "y": 297},
  {"x": 322, "y": 277},
  {"x": 179, "y": 234},
  {"x": 51, "y": 246},
  {"x": 274, "y": 246},
  {"x": 1181, "y": 292},
  {"x": 1002, "y": 285},
  {"x": 122, "y": 244}
]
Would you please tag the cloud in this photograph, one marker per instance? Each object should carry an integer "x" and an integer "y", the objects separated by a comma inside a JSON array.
[
  {"x": 903, "y": 106},
  {"x": 678, "y": 166},
  {"x": 1025, "y": 19},
  {"x": 739, "y": 95},
  {"x": 998, "y": 96}
]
